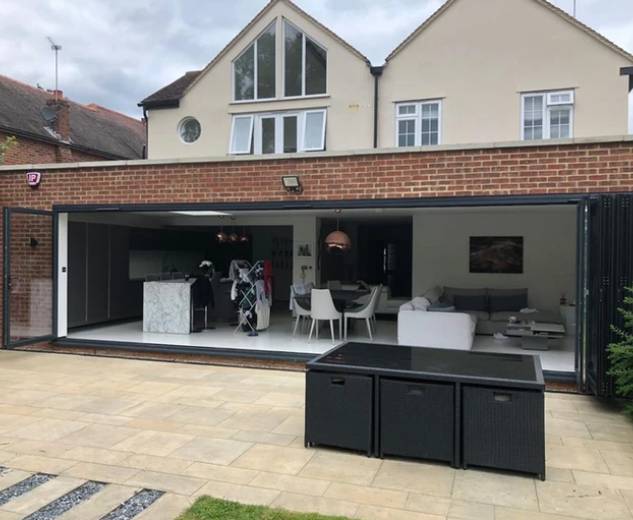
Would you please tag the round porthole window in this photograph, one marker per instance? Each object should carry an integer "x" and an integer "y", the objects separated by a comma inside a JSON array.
[{"x": 189, "y": 129}]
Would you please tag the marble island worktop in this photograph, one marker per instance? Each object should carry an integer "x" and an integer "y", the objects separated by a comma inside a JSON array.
[{"x": 167, "y": 306}]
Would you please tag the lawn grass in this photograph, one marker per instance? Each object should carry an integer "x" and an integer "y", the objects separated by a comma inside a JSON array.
[{"x": 207, "y": 508}]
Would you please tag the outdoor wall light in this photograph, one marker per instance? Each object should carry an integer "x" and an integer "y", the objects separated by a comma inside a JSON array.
[{"x": 292, "y": 184}]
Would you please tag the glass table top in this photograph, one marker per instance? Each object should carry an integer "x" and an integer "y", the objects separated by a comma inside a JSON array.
[{"x": 444, "y": 362}]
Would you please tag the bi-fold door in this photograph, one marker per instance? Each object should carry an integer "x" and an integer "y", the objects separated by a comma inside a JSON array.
[
  {"x": 606, "y": 254},
  {"x": 28, "y": 281}
]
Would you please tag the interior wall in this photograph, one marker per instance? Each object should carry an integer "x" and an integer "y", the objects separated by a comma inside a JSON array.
[{"x": 441, "y": 250}]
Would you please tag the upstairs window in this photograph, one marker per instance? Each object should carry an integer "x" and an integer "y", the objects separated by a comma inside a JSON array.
[
  {"x": 254, "y": 69},
  {"x": 305, "y": 64},
  {"x": 278, "y": 132},
  {"x": 418, "y": 124},
  {"x": 547, "y": 115}
]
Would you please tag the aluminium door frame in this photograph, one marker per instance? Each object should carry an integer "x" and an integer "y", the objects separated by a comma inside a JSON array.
[
  {"x": 576, "y": 199},
  {"x": 7, "y": 212}
]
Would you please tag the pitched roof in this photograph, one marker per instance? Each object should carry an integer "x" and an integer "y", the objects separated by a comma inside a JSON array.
[
  {"x": 545, "y": 3},
  {"x": 93, "y": 128},
  {"x": 170, "y": 95}
]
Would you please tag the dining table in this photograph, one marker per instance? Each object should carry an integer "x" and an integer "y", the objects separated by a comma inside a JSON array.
[{"x": 344, "y": 299}]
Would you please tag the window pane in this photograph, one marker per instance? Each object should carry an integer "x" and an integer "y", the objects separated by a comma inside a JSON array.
[
  {"x": 313, "y": 136},
  {"x": 266, "y": 64},
  {"x": 242, "y": 129},
  {"x": 290, "y": 134},
  {"x": 533, "y": 117},
  {"x": 268, "y": 135},
  {"x": 293, "y": 44},
  {"x": 245, "y": 75},
  {"x": 316, "y": 66},
  {"x": 406, "y": 109},
  {"x": 406, "y": 132},
  {"x": 560, "y": 123},
  {"x": 430, "y": 124}
]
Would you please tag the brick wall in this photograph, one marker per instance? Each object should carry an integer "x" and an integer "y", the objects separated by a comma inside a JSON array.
[
  {"x": 27, "y": 151},
  {"x": 574, "y": 168}
]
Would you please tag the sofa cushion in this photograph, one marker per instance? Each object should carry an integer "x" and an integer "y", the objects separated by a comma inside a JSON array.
[
  {"x": 433, "y": 294},
  {"x": 471, "y": 302},
  {"x": 478, "y": 316},
  {"x": 450, "y": 292},
  {"x": 507, "y": 299}
]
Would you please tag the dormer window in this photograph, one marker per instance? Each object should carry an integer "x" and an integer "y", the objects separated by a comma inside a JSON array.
[
  {"x": 305, "y": 64},
  {"x": 254, "y": 69}
]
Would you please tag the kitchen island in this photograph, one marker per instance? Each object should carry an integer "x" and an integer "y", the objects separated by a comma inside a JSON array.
[{"x": 167, "y": 306}]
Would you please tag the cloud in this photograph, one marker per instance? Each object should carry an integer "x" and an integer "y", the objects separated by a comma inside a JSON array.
[{"x": 117, "y": 52}]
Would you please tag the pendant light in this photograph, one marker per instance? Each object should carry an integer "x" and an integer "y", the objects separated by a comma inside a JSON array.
[
  {"x": 338, "y": 240},
  {"x": 221, "y": 235},
  {"x": 233, "y": 238},
  {"x": 243, "y": 236}
]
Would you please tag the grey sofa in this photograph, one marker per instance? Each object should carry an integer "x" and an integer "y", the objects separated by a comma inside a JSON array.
[{"x": 492, "y": 307}]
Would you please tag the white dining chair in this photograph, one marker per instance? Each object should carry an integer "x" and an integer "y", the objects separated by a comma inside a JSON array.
[
  {"x": 322, "y": 309},
  {"x": 366, "y": 313},
  {"x": 300, "y": 312}
]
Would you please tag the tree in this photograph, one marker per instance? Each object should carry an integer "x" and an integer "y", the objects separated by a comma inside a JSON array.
[
  {"x": 621, "y": 354},
  {"x": 5, "y": 145}
]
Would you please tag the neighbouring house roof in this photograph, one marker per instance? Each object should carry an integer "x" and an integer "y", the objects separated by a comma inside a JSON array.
[
  {"x": 93, "y": 129},
  {"x": 170, "y": 95},
  {"x": 545, "y": 3}
]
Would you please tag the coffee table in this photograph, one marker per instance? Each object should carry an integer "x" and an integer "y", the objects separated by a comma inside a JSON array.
[{"x": 535, "y": 335}]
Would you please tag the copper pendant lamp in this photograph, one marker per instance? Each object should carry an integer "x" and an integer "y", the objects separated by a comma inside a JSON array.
[{"x": 338, "y": 241}]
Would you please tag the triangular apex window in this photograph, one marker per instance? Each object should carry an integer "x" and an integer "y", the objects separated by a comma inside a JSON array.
[
  {"x": 305, "y": 64},
  {"x": 302, "y": 64},
  {"x": 254, "y": 69}
]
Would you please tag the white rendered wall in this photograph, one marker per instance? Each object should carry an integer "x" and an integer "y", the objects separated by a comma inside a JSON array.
[{"x": 441, "y": 250}]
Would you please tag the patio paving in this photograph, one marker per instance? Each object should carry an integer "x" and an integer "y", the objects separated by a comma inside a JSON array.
[{"x": 237, "y": 433}]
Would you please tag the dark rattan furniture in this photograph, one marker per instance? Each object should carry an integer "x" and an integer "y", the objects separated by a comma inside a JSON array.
[{"x": 465, "y": 408}]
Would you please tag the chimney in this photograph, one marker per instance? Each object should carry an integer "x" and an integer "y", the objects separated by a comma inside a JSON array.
[{"x": 62, "y": 111}]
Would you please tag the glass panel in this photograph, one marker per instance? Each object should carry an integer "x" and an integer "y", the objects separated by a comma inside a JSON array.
[
  {"x": 244, "y": 67},
  {"x": 290, "y": 134},
  {"x": 430, "y": 124},
  {"x": 406, "y": 132},
  {"x": 268, "y": 135},
  {"x": 406, "y": 110},
  {"x": 242, "y": 129},
  {"x": 293, "y": 45},
  {"x": 30, "y": 273},
  {"x": 316, "y": 67},
  {"x": 533, "y": 117},
  {"x": 313, "y": 137},
  {"x": 560, "y": 123},
  {"x": 266, "y": 64}
]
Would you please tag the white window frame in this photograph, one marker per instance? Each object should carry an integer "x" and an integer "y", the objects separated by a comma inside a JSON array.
[
  {"x": 254, "y": 44},
  {"x": 255, "y": 141},
  {"x": 304, "y": 129},
  {"x": 417, "y": 117},
  {"x": 304, "y": 35},
  {"x": 233, "y": 151},
  {"x": 548, "y": 106}
]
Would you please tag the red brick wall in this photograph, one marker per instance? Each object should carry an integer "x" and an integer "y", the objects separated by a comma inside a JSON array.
[
  {"x": 574, "y": 168},
  {"x": 27, "y": 151}
]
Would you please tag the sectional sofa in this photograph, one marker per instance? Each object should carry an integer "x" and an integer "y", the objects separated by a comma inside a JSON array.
[{"x": 450, "y": 317}]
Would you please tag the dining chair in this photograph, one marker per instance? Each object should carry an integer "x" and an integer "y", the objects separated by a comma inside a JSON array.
[
  {"x": 366, "y": 313},
  {"x": 322, "y": 309},
  {"x": 299, "y": 311}
]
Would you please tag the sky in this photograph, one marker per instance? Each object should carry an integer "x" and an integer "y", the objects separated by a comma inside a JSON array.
[{"x": 116, "y": 52}]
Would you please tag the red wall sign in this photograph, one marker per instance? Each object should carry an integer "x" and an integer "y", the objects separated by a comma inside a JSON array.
[{"x": 33, "y": 179}]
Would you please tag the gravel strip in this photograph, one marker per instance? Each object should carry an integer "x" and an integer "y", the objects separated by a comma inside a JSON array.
[
  {"x": 68, "y": 501},
  {"x": 133, "y": 506},
  {"x": 24, "y": 487}
]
